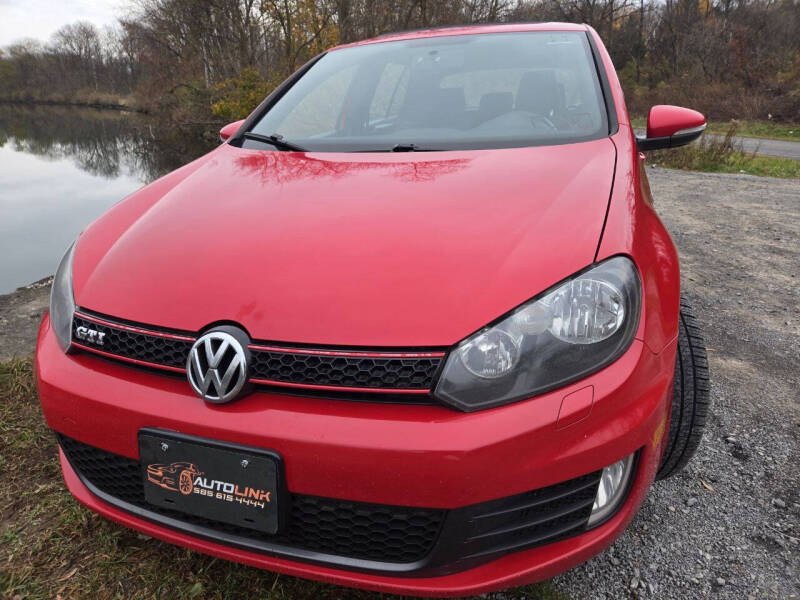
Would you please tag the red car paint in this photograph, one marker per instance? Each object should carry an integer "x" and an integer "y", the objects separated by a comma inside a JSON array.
[
  {"x": 435, "y": 238},
  {"x": 665, "y": 120},
  {"x": 229, "y": 129},
  {"x": 326, "y": 249}
]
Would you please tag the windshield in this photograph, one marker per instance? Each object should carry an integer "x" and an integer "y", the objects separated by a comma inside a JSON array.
[{"x": 443, "y": 93}]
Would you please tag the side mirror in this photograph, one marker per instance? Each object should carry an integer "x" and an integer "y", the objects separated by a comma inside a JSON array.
[
  {"x": 670, "y": 127},
  {"x": 229, "y": 129}
]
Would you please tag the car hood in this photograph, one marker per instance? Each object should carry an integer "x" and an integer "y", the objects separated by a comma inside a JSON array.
[{"x": 411, "y": 249}]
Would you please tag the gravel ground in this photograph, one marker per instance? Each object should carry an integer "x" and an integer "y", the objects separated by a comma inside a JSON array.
[
  {"x": 729, "y": 525},
  {"x": 20, "y": 315}
]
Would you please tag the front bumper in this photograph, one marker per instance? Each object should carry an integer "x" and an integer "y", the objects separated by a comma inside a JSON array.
[{"x": 400, "y": 455}]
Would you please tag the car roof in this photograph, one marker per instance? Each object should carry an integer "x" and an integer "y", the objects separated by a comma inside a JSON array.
[{"x": 466, "y": 30}]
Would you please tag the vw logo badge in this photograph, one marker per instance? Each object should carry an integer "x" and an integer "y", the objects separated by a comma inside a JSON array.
[{"x": 217, "y": 366}]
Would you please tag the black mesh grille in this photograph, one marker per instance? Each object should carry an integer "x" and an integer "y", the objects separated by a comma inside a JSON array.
[
  {"x": 274, "y": 365},
  {"x": 532, "y": 518},
  {"x": 345, "y": 371},
  {"x": 326, "y": 525},
  {"x": 139, "y": 346},
  {"x": 433, "y": 541}
]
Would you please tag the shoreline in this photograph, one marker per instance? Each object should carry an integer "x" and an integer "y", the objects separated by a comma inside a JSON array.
[{"x": 75, "y": 104}]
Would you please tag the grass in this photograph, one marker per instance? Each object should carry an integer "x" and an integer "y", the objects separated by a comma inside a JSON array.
[
  {"x": 51, "y": 547},
  {"x": 723, "y": 155},
  {"x": 754, "y": 129}
]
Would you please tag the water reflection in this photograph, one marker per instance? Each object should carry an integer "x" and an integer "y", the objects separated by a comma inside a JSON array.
[
  {"x": 60, "y": 168},
  {"x": 276, "y": 167},
  {"x": 102, "y": 143}
]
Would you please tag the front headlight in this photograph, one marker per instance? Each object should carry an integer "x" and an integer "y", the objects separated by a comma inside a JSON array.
[
  {"x": 62, "y": 301},
  {"x": 567, "y": 333}
]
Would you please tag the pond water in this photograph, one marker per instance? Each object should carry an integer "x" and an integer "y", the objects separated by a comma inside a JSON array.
[{"x": 60, "y": 168}]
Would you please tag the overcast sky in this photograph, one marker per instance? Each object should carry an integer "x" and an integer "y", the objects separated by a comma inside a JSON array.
[{"x": 40, "y": 18}]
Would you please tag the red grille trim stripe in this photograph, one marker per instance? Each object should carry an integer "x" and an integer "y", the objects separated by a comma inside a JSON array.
[
  {"x": 347, "y": 353},
  {"x": 337, "y": 388},
  {"x": 115, "y": 325}
]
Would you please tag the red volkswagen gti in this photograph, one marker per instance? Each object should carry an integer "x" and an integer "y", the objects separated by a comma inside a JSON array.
[{"x": 415, "y": 325}]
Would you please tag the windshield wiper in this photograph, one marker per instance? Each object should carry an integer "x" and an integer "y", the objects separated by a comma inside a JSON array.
[
  {"x": 411, "y": 148},
  {"x": 276, "y": 140}
]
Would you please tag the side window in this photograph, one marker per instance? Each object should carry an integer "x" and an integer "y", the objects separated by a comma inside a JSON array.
[
  {"x": 318, "y": 112},
  {"x": 390, "y": 92}
]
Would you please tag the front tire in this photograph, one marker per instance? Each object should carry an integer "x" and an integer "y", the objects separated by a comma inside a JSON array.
[{"x": 690, "y": 396}]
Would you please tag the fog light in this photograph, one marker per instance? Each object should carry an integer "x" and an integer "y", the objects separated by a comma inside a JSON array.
[{"x": 610, "y": 492}]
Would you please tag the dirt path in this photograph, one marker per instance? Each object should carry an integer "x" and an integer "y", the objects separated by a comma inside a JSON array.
[
  {"x": 765, "y": 147},
  {"x": 761, "y": 146},
  {"x": 739, "y": 241}
]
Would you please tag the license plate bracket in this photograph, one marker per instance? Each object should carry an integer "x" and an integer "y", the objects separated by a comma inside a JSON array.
[{"x": 225, "y": 482}]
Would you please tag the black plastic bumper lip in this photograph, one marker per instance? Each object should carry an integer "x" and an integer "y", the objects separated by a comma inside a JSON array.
[
  {"x": 464, "y": 538},
  {"x": 249, "y": 544}
]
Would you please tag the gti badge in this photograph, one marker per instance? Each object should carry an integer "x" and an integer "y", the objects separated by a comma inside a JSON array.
[
  {"x": 90, "y": 335},
  {"x": 217, "y": 365}
]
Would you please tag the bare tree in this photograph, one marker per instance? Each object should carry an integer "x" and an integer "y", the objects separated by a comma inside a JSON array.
[{"x": 180, "y": 57}]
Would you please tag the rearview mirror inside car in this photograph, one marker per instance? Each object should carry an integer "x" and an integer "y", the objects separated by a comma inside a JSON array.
[{"x": 670, "y": 127}]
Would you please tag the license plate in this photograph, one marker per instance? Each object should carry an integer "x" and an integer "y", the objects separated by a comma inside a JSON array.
[{"x": 219, "y": 481}]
